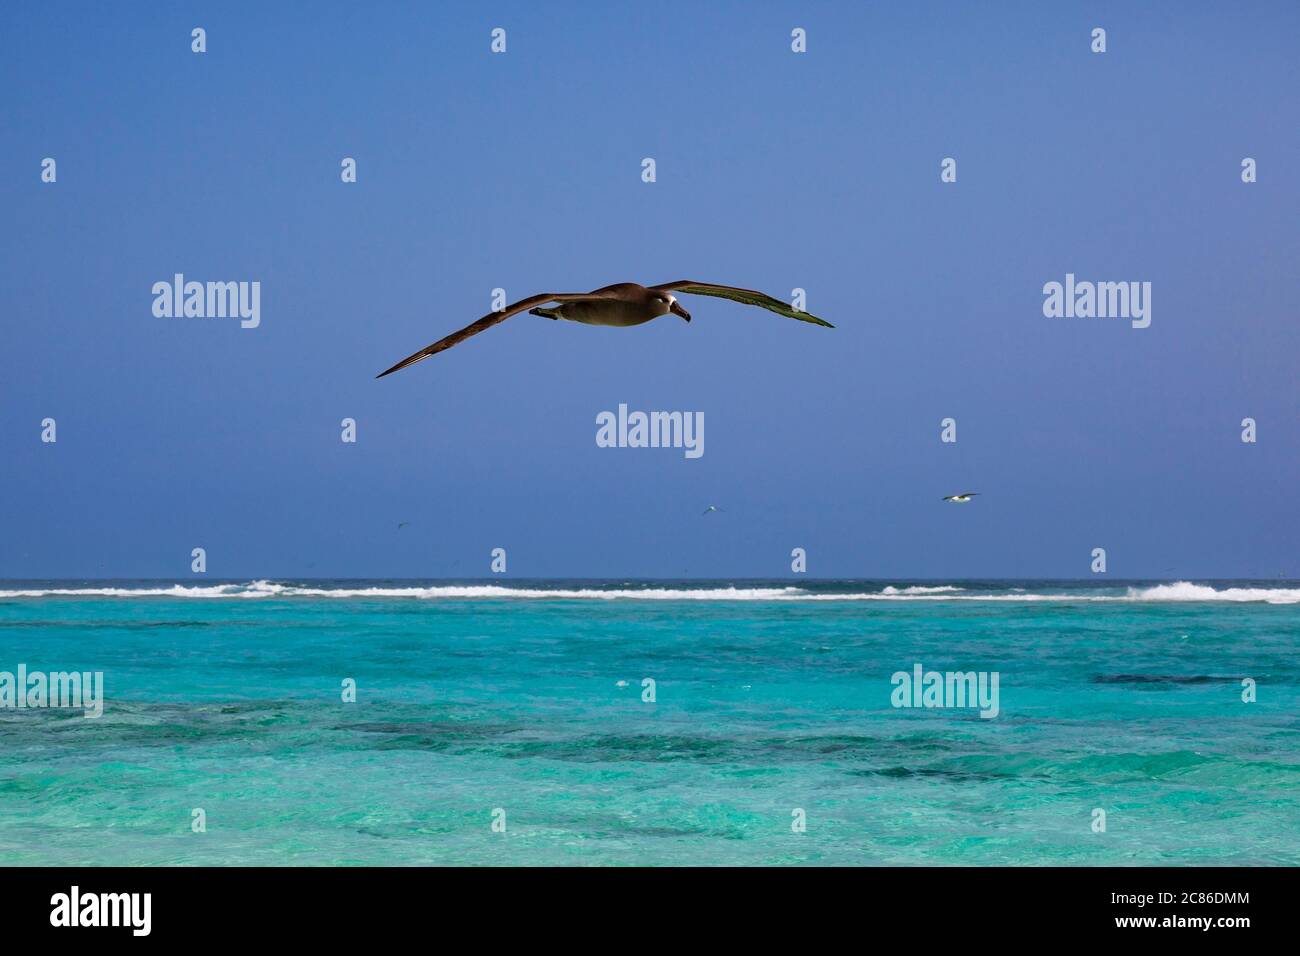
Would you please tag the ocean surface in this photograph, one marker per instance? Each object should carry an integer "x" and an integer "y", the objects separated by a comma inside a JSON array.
[{"x": 524, "y": 703}]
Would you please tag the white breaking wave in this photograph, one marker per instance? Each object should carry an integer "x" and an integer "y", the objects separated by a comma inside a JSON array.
[
  {"x": 265, "y": 589},
  {"x": 1178, "y": 591},
  {"x": 1186, "y": 591},
  {"x": 918, "y": 589}
]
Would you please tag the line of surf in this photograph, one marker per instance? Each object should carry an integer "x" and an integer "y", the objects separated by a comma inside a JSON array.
[{"x": 1181, "y": 591}]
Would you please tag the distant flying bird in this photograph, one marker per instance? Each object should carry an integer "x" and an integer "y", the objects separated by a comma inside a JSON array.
[
  {"x": 709, "y": 509},
  {"x": 620, "y": 305},
  {"x": 962, "y": 498},
  {"x": 402, "y": 524}
]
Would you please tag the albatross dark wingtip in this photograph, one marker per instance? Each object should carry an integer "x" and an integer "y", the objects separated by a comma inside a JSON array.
[{"x": 419, "y": 356}]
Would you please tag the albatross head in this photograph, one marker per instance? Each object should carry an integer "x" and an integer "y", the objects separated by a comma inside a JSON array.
[{"x": 667, "y": 302}]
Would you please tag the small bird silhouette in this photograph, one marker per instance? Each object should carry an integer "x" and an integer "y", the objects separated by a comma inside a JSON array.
[
  {"x": 709, "y": 509},
  {"x": 962, "y": 498}
]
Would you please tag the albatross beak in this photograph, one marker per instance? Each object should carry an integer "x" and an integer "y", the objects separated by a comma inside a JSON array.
[{"x": 676, "y": 309}]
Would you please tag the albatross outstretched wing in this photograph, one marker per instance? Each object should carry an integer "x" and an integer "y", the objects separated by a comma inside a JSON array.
[
  {"x": 489, "y": 320},
  {"x": 745, "y": 296}
]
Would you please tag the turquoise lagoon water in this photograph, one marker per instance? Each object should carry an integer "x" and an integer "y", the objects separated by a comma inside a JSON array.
[{"x": 769, "y": 698}]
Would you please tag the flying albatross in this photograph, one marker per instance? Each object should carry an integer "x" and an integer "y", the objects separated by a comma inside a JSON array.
[
  {"x": 618, "y": 305},
  {"x": 962, "y": 498}
]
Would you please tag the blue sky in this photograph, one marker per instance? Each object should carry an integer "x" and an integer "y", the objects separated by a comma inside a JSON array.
[{"x": 775, "y": 170}]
